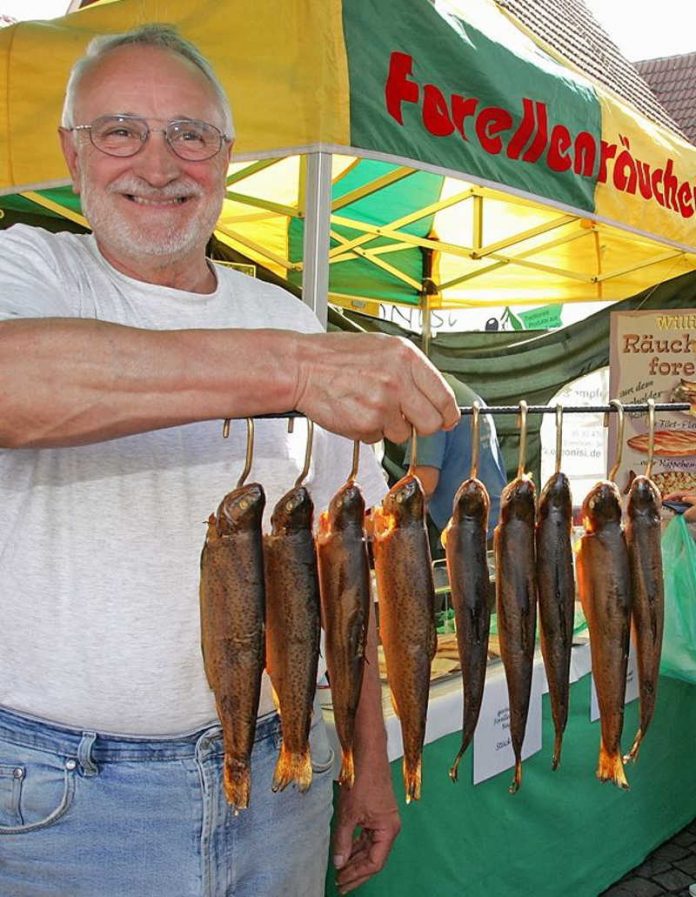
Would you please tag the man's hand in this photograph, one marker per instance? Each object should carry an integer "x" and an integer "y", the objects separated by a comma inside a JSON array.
[
  {"x": 368, "y": 386},
  {"x": 689, "y": 498},
  {"x": 369, "y": 805}
]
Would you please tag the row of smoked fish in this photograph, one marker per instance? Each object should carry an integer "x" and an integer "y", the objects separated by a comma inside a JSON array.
[
  {"x": 264, "y": 598},
  {"x": 261, "y": 598}
]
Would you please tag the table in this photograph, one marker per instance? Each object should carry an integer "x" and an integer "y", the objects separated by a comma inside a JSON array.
[{"x": 564, "y": 832}]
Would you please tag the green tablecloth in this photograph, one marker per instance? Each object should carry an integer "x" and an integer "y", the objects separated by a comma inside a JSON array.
[{"x": 564, "y": 832}]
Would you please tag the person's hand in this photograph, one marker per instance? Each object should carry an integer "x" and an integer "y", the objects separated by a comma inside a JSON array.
[
  {"x": 371, "y": 806},
  {"x": 687, "y": 497},
  {"x": 369, "y": 386}
]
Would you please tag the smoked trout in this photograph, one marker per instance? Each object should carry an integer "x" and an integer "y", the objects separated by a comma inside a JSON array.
[
  {"x": 292, "y": 631},
  {"x": 344, "y": 583},
  {"x": 232, "y": 605},
  {"x": 604, "y": 584},
  {"x": 556, "y": 586},
  {"x": 467, "y": 568},
  {"x": 516, "y": 597},
  {"x": 406, "y": 614},
  {"x": 643, "y": 537}
]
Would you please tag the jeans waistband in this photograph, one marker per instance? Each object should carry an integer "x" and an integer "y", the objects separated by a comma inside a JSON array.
[{"x": 106, "y": 747}]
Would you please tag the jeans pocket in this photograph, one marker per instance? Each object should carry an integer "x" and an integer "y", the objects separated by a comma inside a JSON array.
[
  {"x": 36, "y": 789},
  {"x": 320, "y": 747}
]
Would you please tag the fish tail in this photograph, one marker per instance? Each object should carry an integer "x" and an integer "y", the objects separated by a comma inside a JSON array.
[
  {"x": 632, "y": 755},
  {"x": 347, "y": 774},
  {"x": 412, "y": 780},
  {"x": 610, "y": 768},
  {"x": 556, "y": 759},
  {"x": 517, "y": 780},
  {"x": 453, "y": 773},
  {"x": 292, "y": 766},
  {"x": 237, "y": 783}
]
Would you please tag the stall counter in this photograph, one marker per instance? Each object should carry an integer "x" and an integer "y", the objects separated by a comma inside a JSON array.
[{"x": 564, "y": 832}]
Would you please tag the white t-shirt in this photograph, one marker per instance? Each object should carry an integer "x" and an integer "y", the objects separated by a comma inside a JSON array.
[{"x": 100, "y": 544}]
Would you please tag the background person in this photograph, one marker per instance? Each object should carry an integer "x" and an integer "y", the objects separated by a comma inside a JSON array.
[{"x": 120, "y": 354}]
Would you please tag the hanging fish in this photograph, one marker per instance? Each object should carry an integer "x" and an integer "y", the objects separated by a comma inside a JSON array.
[
  {"x": 604, "y": 584},
  {"x": 643, "y": 537},
  {"x": 406, "y": 615},
  {"x": 467, "y": 568},
  {"x": 232, "y": 606},
  {"x": 344, "y": 580},
  {"x": 556, "y": 586},
  {"x": 292, "y": 630},
  {"x": 516, "y": 597}
]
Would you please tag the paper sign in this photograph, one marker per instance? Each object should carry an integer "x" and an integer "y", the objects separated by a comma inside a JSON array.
[
  {"x": 493, "y": 751},
  {"x": 631, "y": 685}
]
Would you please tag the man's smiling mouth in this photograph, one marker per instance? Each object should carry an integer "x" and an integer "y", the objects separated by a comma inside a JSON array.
[{"x": 162, "y": 201}]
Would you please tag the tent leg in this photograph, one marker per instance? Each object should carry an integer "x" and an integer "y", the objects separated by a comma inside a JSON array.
[{"x": 315, "y": 276}]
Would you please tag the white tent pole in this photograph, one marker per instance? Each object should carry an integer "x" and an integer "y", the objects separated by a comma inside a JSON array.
[{"x": 315, "y": 276}]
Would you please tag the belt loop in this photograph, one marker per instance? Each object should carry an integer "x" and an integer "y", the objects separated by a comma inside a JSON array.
[{"x": 84, "y": 754}]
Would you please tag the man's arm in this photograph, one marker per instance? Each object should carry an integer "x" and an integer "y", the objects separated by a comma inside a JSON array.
[
  {"x": 66, "y": 381},
  {"x": 370, "y": 804}
]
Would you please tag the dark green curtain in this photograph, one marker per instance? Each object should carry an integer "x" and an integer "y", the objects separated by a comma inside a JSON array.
[{"x": 504, "y": 367}]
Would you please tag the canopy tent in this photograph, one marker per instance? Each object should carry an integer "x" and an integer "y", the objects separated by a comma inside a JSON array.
[{"x": 394, "y": 150}]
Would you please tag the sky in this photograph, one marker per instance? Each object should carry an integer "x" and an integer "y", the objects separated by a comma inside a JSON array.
[{"x": 642, "y": 29}]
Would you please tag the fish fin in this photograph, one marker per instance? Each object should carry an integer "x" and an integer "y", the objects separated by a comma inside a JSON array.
[
  {"x": 347, "y": 774},
  {"x": 632, "y": 755},
  {"x": 610, "y": 768},
  {"x": 394, "y": 704},
  {"x": 292, "y": 766},
  {"x": 412, "y": 780},
  {"x": 276, "y": 700},
  {"x": 453, "y": 773},
  {"x": 517, "y": 780},
  {"x": 237, "y": 782}
]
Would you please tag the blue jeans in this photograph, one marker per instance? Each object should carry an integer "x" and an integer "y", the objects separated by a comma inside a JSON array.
[{"x": 90, "y": 815}]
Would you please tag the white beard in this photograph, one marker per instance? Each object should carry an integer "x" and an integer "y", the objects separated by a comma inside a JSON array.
[{"x": 128, "y": 238}]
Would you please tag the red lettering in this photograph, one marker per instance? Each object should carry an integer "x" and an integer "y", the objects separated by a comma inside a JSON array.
[
  {"x": 462, "y": 108},
  {"x": 519, "y": 139},
  {"x": 607, "y": 151},
  {"x": 684, "y": 197},
  {"x": 585, "y": 154},
  {"x": 671, "y": 184},
  {"x": 436, "y": 112},
  {"x": 559, "y": 144},
  {"x": 655, "y": 181},
  {"x": 539, "y": 143},
  {"x": 399, "y": 88},
  {"x": 491, "y": 121}
]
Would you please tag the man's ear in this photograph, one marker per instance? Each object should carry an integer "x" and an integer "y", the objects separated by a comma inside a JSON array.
[{"x": 67, "y": 143}]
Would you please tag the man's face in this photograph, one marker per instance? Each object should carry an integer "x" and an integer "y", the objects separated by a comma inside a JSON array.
[{"x": 152, "y": 206}]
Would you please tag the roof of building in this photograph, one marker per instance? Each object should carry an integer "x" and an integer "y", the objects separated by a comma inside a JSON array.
[
  {"x": 569, "y": 28},
  {"x": 673, "y": 81}
]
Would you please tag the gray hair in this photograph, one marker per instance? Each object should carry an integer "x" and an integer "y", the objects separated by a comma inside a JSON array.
[{"x": 164, "y": 37}]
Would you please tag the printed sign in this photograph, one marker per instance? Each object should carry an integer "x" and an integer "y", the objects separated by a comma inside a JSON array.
[{"x": 653, "y": 355}]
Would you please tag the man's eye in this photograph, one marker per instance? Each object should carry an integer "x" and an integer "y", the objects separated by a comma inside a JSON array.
[{"x": 119, "y": 133}]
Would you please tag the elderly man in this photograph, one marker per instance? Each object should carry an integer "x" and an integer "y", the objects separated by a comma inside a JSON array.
[{"x": 120, "y": 352}]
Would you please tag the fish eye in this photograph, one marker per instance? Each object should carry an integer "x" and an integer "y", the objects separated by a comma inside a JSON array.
[
  {"x": 244, "y": 504},
  {"x": 399, "y": 498}
]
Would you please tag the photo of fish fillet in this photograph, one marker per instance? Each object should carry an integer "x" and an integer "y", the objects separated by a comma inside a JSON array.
[
  {"x": 643, "y": 537},
  {"x": 406, "y": 615},
  {"x": 344, "y": 583},
  {"x": 604, "y": 584},
  {"x": 516, "y": 599},
  {"x": 232, "y": 606},
  {"x": 292, "y": 631}
]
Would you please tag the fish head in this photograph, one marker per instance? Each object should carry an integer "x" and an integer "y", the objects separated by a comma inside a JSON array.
[
  {"x": 405, "y": 500},
  {"x": 643, "y": 497},
  {"x": 471, "y": 500},
  {"x": 556, "y": 495},
  {"x": 294, "y": 511},
  {"x": 347, "y": 507},
  {"x": 601, "y": 507},
  {"x": 241, "y": 509},
  {"x": 518, "y": 500}
]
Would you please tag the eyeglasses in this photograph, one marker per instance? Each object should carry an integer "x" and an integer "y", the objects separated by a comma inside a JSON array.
[{"x": 126, "y": 135}]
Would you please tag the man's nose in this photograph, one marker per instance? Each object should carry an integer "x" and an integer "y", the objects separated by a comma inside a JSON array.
[{"x": 156, "y": 163}]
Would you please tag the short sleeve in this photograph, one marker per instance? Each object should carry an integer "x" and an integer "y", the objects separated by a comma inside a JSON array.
[{"x": 31, "y": 279}]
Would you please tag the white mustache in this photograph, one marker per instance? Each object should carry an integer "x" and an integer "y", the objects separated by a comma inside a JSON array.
[{"x": 181, "y": 188}]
